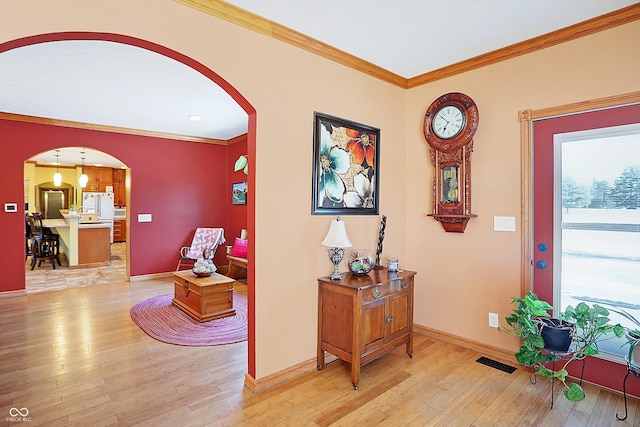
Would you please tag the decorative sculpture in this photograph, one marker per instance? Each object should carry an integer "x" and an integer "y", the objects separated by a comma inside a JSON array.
[{"x": 383, "y": 224}]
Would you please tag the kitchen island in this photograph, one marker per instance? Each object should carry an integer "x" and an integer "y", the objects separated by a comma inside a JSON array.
[{"x": 86, "y": 244}]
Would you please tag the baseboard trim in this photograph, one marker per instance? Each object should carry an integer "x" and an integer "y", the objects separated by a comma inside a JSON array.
[
  {"x": 495, "y": 352},
  {"x": 308, "y": 366},
  {"x": 153, "y": 276},
  {"x": 13, "y": 294},
  {"x": 280, "y": 377}
]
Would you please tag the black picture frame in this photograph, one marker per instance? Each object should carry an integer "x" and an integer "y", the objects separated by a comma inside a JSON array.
[
  {"x": 239, "y": 193},
  {"x": 346, "y": 176}
]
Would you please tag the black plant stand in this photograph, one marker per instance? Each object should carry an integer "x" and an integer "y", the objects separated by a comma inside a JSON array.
[
  {"x": 635, "y": 371},
  {"x": 558, "y": 355}
]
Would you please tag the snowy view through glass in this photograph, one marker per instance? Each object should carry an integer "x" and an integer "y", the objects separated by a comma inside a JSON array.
[{"x": 600, "y": 226}]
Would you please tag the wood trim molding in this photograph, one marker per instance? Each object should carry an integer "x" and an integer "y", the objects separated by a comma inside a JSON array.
[
  {"x": 525, "y": 201},
  {"x": 280, "y": 377},
  {"x": 582, "y": 29},
  {"x": 495, "y": 352},
  {"x": 144, "y": 277},
  {"x": 526, "y": 119},
  {"x": 12, "y": 294},
  {"x": 106, "y": 128},
  {"x": 272, "y": 29},
  {"x": 594, "y": 104},
  {"x": 309, "y": 366},
  {"x": 269, "y": 28}
]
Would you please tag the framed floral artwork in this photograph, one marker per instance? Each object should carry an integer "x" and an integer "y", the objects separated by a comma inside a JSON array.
[{"x": 345, "y": 167}]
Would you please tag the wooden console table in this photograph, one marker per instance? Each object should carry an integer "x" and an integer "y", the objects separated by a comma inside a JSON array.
[
  {"x": 361, "y": 318},
  {"x": 203, "y": 298}
]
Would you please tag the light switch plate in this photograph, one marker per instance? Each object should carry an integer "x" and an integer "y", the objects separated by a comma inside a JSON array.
[
  {"x": 504, "y": 223},
  {"x": 144, "y": 217}
]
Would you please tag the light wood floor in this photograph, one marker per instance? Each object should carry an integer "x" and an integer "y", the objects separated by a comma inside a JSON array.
[{"x": 74, "y": 357}]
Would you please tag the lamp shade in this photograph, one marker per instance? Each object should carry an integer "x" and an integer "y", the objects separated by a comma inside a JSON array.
[
  {"x": 337, "y": 235},
  {"x": 84, "y": 179},
  {"x": 57, "y": 179}
]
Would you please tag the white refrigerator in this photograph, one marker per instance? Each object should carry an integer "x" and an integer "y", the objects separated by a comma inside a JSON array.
[{"x": 102, "y": 204}]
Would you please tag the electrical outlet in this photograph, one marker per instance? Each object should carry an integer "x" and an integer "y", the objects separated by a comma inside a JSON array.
[{"x": 493, "y": 320}]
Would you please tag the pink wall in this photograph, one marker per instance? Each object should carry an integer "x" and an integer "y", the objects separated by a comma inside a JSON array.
[{"x": 170, "y": 179}]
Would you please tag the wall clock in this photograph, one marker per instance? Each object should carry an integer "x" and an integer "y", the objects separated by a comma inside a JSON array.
[{"x": 450, "y": 123}]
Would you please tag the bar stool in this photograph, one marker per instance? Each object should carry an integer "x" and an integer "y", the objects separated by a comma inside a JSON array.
[{"x": 45, "y": 246}]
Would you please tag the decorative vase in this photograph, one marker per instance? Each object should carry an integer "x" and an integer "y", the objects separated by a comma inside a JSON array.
[
  {"x": 557, "y": 334},
  {"x": 204, "y": 267},
  {"x": 360, "y": 261}
]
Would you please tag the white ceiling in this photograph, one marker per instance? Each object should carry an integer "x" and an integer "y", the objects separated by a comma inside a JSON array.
[
  {"x": 129, "y": 87},
  {"x": 413, "y": 37}
]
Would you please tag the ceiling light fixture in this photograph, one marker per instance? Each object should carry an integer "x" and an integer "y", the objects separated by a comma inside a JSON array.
[
  {"x": 84, "y": 179},
  {"x": 194, "y": 117},
  {"x": 57, "y": 177}
]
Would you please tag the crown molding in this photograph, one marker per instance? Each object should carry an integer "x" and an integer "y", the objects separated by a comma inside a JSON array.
[
  {"x": 274, "y": 30},
  {"x": 573, "y": 32},
  {"x": 106, "y": 128},
  {"x": 269, "y": 28}
]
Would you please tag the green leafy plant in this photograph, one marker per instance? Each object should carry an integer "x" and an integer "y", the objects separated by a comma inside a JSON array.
[
  {"x": 524, "y": 323},
  {"x": 242, "y": 164},
  {"x": 633, "y": 334},
  {"x": 593, "y": 325}
]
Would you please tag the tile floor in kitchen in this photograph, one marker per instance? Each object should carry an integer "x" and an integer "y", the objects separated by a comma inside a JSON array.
[{"x": 45, "y": 278}]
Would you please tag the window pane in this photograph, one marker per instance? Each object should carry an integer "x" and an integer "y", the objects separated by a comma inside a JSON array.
[{"x": 599, "y": 222}]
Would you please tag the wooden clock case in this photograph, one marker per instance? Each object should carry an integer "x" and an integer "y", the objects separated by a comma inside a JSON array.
[{"x": 451, "y": 158}]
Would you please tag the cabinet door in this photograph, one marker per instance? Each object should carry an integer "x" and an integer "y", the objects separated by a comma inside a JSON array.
[
  {"x": 92, "y": 174},
  {"x": 399, "y": 306},
  {"x": 118, "y": 176},
  {"x": 119, "y": 195},
  {"x": 105, "y": 176},
  {"x": 373, "y": 324}
]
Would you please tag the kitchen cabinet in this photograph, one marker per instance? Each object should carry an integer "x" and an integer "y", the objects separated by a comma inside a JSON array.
[
  {"x": 99, "y": 178},
  {"x": 361, "y": 318},
  {"x": 94, "y": 248},
  {"x": 119, "y": 230},
  {"x": 119, "y": 191}
]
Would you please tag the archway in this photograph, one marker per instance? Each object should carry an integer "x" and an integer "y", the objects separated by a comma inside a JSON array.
[
  {"x": 15, "y": 222},
  {"x": 106, "y": 177}
]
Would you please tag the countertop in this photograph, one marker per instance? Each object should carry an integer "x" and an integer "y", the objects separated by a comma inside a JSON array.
[{"x": 63, "y": 223}]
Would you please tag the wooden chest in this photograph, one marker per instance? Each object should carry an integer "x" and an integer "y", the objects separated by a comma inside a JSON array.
[{"x": 203, "y": 298}]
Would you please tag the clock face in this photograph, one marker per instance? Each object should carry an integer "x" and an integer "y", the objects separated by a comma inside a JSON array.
[{"x": 448, "y": 122}]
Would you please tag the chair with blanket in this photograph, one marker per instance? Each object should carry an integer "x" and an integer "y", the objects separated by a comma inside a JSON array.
[
  {"x": 203, "y": 239},
  {"x": 237, "y": 256}
]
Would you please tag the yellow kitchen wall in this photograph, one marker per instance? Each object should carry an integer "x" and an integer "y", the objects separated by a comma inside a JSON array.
[
  {"x": 38, "y": 175},
  {"x": 461, "y": 277}
]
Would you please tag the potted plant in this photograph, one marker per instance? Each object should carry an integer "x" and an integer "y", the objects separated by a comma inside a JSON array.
[
  {"x": 633, "y": 338},
  {"x": 587, "y": 325}
]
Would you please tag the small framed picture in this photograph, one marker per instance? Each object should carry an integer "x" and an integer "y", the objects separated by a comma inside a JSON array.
[{"x": 239, "y": 193}]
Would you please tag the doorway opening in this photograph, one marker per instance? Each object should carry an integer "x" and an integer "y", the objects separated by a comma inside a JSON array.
[{"x": 87, "y": 175}]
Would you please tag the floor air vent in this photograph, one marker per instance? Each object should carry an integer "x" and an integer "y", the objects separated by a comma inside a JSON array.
[{"x": 497, "y": 365}]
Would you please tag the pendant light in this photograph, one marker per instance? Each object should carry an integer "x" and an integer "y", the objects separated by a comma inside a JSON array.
[
  {"x": 57, "y": 177},
  {"x": 84, "y": 179}
]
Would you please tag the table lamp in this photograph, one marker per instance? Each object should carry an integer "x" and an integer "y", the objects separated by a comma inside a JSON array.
[{"x": 336, "y": 240}]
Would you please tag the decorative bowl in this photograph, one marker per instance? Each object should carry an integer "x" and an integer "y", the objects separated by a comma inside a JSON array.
[
  {"x": 360, "y": 261},
  {"x": 203, "y": 273}
]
